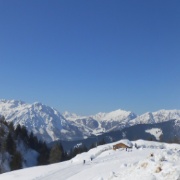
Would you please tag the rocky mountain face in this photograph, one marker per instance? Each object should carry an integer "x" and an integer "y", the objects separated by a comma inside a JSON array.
[
  {"x": 103, "y": 122},
  {"x": 45, "y": 122},
  {"x": 50, "y": 125},
  {"x": 156, "y": 117}
]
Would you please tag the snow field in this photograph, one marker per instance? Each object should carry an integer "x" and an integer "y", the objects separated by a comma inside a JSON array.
[{"x": 151, "y": 161}]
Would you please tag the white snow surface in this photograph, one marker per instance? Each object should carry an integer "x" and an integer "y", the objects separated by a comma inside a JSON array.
[
  {"x": 156, "y": 132},
  {"x": 151, "y": 161}
]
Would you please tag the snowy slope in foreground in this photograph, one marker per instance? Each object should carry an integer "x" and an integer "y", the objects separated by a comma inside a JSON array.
[{"x": 151, "y": 161}]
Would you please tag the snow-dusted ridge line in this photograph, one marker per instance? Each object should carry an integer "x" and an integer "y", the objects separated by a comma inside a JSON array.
[
  {"x": 72, "y": 116},
  {"x": 101, "y": 116},
  {"x": 46, "y": 122},
  {"x": 50, "y": 125}
]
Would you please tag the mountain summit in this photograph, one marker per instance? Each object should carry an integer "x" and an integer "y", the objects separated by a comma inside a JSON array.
[
  {"x": 50, "y": 125},
  {"x": 46, "y": 122}
]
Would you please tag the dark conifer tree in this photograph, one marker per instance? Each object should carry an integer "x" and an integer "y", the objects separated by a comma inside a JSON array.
[
  {"x": 11, "y": 127},
  {"x": 102, "y": 141},
  {"x": 93, "y": 145},
  {"x": 43, "y": 150},
  {"x": 17, "y": 131},
  {"x": 10, "y": 144},
  {"x": 16, "y": 161},
  {"x": 84, "y": 148},
  {"x": 33, "y": 141},
  {"x": 2, "y": 132},
  {"x": 24, "y": 135},
  {"x": 55, "y": 154}
]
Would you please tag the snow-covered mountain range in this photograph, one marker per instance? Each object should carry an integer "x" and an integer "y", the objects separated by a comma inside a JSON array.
[
  {"x": 46, "y": 122},
  {"x": 50, "y": 125},
  {"x": 103, "y": 122}
]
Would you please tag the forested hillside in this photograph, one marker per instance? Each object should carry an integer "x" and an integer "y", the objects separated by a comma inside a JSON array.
[{"x": 21, "y": 149}]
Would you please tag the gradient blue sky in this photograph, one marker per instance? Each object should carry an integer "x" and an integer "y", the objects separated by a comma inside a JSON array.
[{"x": 87, "y": 56}]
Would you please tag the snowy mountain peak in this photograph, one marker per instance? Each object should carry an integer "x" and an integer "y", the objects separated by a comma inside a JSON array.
[
  {"x": 37, "y": 104},
  {"x": 102, "y": 116},
  {"x": 11, "y": 103},
  {"x": 72, "y": 116},
  {"x": 117, "y": 115},
  {"x": 156, "y": 117},
  {"x": 164, "y": 115},
  {"x": 49, "y": 124}
]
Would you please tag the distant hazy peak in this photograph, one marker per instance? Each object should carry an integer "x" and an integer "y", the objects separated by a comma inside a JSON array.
[
  {"x": 102, "y": 116},
  {"x": 72, "y": 116},
  {"x": 114, "y": 115},
  {"x": 16, "y": 102}
]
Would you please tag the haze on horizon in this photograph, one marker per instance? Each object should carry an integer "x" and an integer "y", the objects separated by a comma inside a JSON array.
[{"x": 91, "y": 56}]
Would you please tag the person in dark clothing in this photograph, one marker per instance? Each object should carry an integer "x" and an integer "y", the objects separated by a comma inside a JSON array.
[{"x": 84, "y": 162}]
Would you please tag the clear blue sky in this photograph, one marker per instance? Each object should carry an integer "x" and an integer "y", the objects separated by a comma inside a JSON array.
[{"x": 87, "y": 56}]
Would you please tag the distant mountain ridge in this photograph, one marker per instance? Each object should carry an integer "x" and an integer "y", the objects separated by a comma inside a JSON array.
[
  {"x": 103, "y": 122},
  {"x": 157, "y": 117},
  {"x": 50, "y": 125},
  {"x": 46, "y": 122}
]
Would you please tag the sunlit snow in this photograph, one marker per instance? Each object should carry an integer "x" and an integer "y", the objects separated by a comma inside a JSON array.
[
  {"x": 156, "y": 132},
  {"x": 150, "y": 161}
]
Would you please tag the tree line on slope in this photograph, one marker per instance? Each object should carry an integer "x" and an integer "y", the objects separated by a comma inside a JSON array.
[{"x": 11, "y": 138}]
